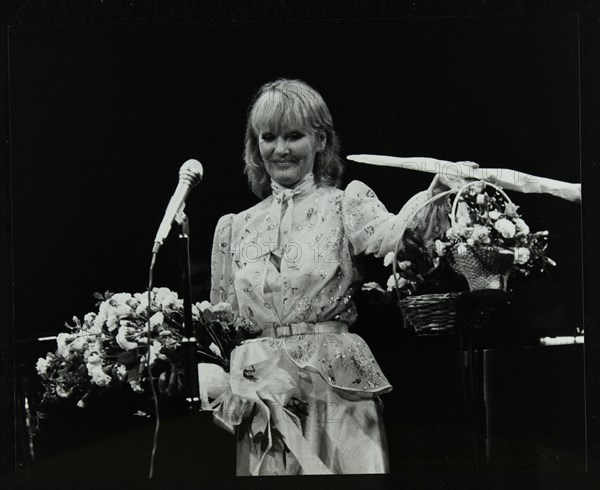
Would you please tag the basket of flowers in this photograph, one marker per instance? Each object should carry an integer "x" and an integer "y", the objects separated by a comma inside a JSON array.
[
  {"x": 488, "y": 239},
  {"x": 110, "y": 349},
  {"x": 485, "y": 241}
]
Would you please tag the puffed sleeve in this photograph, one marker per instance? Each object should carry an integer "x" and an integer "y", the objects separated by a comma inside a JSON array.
[
  {"x": 222, "y": 288},
  {"x": 372, "y": 229}
]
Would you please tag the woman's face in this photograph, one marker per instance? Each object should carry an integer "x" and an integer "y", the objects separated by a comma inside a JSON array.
[{"x": 289, "y": 153}]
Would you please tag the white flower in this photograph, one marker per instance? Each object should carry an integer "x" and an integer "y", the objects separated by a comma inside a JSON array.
[
  {"x": 102, "y": 315},
  {"x": 122, "y": 335},
  {"x": 81, "y": 404},
  {"x": 402, "y": 282},
  {"x": 157, "y": 319},
  {"x": 78, "y": 344},
  {"x": 470, "y": 241},
  {"x": 120, "y": 298},
  {"x": 195, "y": 311},
  {"x": 224, "y": 311},
  {"x": 505, "y": 227},
  {"x": 391, "y": 283},
  {"x": 42, "y": 366},
  {"x": 113, "y": 309},
  {"x": 92, "y": 329},
  {"x": 205, "y": 305},
  {"x": 94, "y": 358},
  {"x": 121, "y": 372},
  {"x": 522, "y": 228},
  {"x": 135, "y": 386},
  {"x": 142, "y": 307},
  {"x": 62, "y": 341},
  {"x": 369, "y": 286},
  {"x": 480, "y": 199},
  {"x": 510, "y": 209},
  {"x": 481, "y": 233},
  {"x": 462, "y": 249},
  {"x": 389, "y": 259},
  {"x": 92, "y": 350},
  {"x": 98, "y": 375},
  {"x": 60, "y": 391},
  {"x": 404, "y": 265},
  {"x": 522, "y": 255},
  {"x": 165, "y": 298},
  {"x": 115, "y": 314},
  {"x": 494, "y": 215},
  {"x": 206, "y": 311},
  {"x": 222, "y": 307},
  {"x": 440, "y": 247},
  {"x": 154, "y": 351},
  {"x": 89, "y": 318}
]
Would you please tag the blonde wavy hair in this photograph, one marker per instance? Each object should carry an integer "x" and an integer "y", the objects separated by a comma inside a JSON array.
[{"x": 290, "y": 104}]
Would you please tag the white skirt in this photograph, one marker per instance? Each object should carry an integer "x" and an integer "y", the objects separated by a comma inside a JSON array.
[{"x": 342, "y": 429}]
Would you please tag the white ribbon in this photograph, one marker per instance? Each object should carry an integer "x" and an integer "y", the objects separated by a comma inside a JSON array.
[
  {"x": 257, "y": 381},
  {"x": 509, "y": 179},
  {"x": 280, "y": 226}
]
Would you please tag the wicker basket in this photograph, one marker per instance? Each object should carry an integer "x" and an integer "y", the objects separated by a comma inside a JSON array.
[
  {"x": 435, "y": 314},
  {"x": 484, "y": 267},
  {"x": 432, "y": 314}
]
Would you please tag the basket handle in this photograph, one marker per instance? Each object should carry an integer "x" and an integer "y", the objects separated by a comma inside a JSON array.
[
  {"x": 465, "y": 187},
  {"x": 403, "y": 230}
]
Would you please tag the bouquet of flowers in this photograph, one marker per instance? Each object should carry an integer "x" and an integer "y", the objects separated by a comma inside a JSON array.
[
  {"x": 488, "y": 238},
  {"x": 110, "y": 348}
]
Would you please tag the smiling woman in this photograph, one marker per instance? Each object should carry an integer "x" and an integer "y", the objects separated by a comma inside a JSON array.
[
  {"x": 289, "y": 134},
  {"x": 298, "y": 291}
]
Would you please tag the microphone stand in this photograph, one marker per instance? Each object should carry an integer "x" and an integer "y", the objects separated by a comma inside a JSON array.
[{"x": 192, "y": 388}]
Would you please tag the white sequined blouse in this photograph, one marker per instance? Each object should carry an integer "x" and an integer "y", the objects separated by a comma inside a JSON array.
[{"x": 291, "y": 259}]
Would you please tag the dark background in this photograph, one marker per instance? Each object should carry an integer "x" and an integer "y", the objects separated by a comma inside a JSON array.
[{"x": 103, "y": 116}]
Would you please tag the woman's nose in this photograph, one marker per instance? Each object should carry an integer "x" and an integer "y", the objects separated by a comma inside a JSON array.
[{"x": 281, "y": 147}]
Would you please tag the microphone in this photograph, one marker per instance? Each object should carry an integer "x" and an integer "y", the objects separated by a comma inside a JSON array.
[{"x": 190, "y": 175}]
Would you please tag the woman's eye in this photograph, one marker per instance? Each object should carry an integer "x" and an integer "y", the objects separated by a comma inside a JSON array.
[
  {"x": 267, "y": 137},
  {"x": 295, "y": 135}
]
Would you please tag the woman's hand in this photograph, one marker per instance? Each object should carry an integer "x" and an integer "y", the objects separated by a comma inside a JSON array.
[{"x": 451, "y": 180}]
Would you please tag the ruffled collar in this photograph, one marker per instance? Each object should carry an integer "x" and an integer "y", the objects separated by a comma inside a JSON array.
[{"x": 282, "y": 193}]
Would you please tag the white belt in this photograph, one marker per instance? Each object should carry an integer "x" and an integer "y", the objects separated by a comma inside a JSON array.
[{"x": 288, "y": 329}]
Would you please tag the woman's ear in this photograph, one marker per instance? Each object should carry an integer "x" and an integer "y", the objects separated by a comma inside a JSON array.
[{"x": 322, "y": 137}]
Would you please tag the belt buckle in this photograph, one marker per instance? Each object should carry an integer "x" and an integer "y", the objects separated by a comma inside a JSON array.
[{"x": 283, "y": 330}]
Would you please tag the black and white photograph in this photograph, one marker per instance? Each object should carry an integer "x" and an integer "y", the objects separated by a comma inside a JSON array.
[{"x": 322, "y": 245}]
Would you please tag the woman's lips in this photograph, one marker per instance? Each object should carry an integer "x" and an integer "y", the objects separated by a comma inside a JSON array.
[{"x": 283, "y": 164}]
